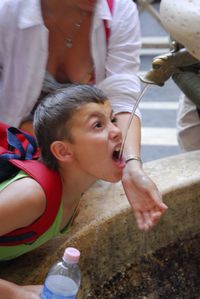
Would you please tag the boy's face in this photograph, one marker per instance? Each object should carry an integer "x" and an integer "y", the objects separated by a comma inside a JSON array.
[{"x": 97, "y": 141}]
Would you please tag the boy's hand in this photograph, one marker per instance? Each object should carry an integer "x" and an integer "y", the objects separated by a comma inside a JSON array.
[
  {"x": 9, "y": 290},
  {"x": 33, "y": 291},
  {"x": 142, "y": 195}
]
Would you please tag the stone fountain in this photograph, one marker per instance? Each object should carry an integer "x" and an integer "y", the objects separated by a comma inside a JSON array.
[
  {"x": 181, "y": 20},
  {"x": 105, "y": 229}
]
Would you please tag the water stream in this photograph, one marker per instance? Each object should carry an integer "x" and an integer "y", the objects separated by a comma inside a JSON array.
[{"x": 144, "y": 89}]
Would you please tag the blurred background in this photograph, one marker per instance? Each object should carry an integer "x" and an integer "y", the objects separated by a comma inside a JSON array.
[{"x": 159, "y": 104}]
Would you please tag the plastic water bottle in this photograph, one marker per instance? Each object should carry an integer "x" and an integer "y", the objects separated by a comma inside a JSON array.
[{"x": 63, "y": 278}]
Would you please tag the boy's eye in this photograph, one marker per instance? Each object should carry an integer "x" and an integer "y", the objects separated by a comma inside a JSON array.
[
  {"x": 98, "y": 124},
  {"x": 114, "y": 120}
]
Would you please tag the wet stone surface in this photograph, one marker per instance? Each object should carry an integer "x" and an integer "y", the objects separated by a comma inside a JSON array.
[{"x": 172, "y": 272}]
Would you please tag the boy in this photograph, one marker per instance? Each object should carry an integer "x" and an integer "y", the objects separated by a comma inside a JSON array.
[
  {"x": 75, "y": 130},
  {"x": 79, "y": 139}
]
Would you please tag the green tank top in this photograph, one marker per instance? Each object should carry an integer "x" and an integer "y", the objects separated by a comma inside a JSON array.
[{"x": 11, "y": 252}]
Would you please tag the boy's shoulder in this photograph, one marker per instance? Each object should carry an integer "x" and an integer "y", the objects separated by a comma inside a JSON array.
[
  {"x": 44, "y": 194},
  {"x": 19, "y": 151}
]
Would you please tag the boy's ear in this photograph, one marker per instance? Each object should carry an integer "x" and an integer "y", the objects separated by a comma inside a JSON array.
[{"x": 61, "y": 150}]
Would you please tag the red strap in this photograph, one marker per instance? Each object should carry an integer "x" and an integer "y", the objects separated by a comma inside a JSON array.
[
  {"x": 21, "y": 136},
  {"x": 107, "y": 29}
]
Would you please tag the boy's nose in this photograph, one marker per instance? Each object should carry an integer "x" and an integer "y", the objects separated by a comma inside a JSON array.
[{"x": 115, "y": 132}]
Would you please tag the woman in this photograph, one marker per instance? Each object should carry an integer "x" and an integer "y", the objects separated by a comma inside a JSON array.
[{"x": 47, "y": 43}]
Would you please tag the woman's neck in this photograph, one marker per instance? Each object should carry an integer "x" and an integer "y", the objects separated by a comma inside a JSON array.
[{"x": 56, "y": 7}]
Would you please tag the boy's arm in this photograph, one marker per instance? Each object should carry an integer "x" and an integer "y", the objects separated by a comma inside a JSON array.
[
  {"x": 142, "y": 193},
  {"x": 21, "y": 203}
]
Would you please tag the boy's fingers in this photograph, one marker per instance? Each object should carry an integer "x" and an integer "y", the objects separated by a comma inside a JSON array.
[
  {"x": 147, "y": 219},
  {"x": 144, "y": 221},
  {"x": 156, "y": 216},
  {"x": 139, "y": 220},
  {"x": 163, "y": 206}
]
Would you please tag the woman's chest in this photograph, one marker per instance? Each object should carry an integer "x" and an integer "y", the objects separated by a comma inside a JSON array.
[{"x": 69, "y": 58}]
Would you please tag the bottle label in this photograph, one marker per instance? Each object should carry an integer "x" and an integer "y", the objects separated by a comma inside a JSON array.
[{"x": 47, "y": 294}]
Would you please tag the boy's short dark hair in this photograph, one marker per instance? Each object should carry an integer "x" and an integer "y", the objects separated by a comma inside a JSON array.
[{"x": 52, "y": 116}]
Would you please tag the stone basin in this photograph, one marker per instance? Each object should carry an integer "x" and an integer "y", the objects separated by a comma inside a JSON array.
[{"x": 105, "y": 229}]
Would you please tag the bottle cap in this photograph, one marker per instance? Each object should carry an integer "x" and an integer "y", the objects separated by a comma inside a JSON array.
[{"x": 71, "y": 255}]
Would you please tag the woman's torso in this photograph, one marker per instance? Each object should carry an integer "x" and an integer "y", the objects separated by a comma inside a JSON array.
[{"x": 27, "y": 36}]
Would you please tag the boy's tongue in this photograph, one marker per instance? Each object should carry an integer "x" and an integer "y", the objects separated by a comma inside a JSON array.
[{"x": 120, "y": 162}]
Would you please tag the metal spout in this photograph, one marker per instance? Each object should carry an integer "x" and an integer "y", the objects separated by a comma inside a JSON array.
[{"x": 164, "y": 66}]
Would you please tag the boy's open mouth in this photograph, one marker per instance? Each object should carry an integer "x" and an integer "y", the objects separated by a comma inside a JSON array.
[{"x": 115, "y": 155}]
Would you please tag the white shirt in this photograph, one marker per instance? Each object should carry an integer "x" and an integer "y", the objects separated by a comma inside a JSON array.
[{"x": 24, "y": 54}]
